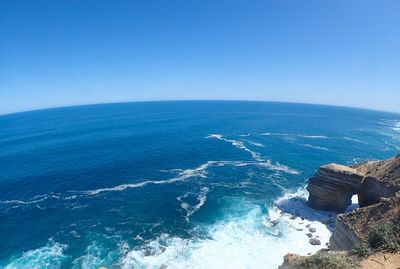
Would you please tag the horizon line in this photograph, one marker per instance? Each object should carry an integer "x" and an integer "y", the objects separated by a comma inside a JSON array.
[{"x": 196, "y": 100}]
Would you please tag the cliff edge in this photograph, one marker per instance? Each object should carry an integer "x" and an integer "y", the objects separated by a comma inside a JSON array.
[
  {"x": 333, "y": 185},
  {"x": 367, "y": 237}
]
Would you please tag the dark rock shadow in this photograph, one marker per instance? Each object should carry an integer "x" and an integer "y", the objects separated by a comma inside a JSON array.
[{"x": 298, "y": 207}]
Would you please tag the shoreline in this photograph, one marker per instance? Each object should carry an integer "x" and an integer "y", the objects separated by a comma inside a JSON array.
[{"x": 362, "y": 235}]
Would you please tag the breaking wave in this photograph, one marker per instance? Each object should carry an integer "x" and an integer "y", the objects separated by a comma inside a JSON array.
[
  {"x": 50, "y": 256},
  {"x": 256, "y": 239}
]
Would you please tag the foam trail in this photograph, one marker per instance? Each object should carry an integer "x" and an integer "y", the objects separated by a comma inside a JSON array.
[
  {"x": 315, "y": 147},
  {"x": 314, "y": 136},
  {"x": 182, "y": 176},
  {"x": 238, "y": 144},
  {"x": 354, "y": 140},
  {"x": 256, "y": 144},
  {"x": 296, "y": 135},
  {"x": 201, "y": 199},
  {"x": 393, "y": 125},
  {"x": 278, "y": 134},
  {"x": 34, "y": 200},
  {"x": 261, "y": 162},
  {"x": 22, "y": 202},
  {"x": 397, "y": 127},
  {"x": 278, "y": 167},
  {"x": 217, "y": 136},
  {"x": 200, "y": 171},
  {"x": 392, "y": 145}
]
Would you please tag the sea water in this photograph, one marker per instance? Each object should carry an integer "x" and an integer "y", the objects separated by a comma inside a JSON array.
[{"x": 194, "y": 184}]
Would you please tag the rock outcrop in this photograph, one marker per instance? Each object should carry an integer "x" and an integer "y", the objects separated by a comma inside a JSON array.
[
  {"x": 333, "y": 186},
  {"x": 382, "y": 179},
  {"x": 355, "y": 227},
  {"x": 289, "y": 260},
  {"x": 341, "y": 260},
  {"x": 377, "y": 184}
]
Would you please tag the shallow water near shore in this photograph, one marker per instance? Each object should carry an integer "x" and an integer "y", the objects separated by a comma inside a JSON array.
[{"x": 196, "y": 184}]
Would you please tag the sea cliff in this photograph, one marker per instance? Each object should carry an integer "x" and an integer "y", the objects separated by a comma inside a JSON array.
[{"x": 367, "y": 237}]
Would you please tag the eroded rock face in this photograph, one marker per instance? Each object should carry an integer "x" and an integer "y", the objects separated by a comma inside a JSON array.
[
  {"x": 377, "y": 184},
  {"x": 333, "y": 186},
  {"x": 355, "y": 226},
  {"x": 373, "y": 189},
  {"x": 382, "y": 179}
]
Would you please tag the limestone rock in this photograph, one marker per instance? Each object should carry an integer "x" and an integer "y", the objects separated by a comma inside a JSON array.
[
  {"x": 289, "y": 260},
  {"x": 333, "y": 186},
  {"x": 382, "y": 180},
  {"x": 315, "y": 241},
  {"x": 355, "y": 226}
]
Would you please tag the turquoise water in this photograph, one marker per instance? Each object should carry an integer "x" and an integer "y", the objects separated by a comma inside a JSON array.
[{"x": 196, "y": 184}]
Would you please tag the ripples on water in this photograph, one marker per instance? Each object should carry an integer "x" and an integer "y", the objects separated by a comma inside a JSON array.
[{"x": 173, "y": 184}]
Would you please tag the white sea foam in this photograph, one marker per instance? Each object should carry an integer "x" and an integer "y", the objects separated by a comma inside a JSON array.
[
  {"x": 278, "y": 134},
  {"x": 191, "y": 209},
  {"x": 96, "y": 255},
  {"x": 392, "y": 145},
  {"x": 354, "y": 140},
  {"x": 34, "y": 200},
  {"x": 314, "y": 136},
  {"x": 257, "y": 156},
  {"x": 256, "y": 144},
  {"x": 254, "y": 240},
  {"x": 217, "y": 136},
  {"x": 395, "y": 125},
  {"x": 392, "y": 124},
  {"x": 278, "y": 167},
  {"x": 267, "y": 164},
  {"x": 50, "y": 256},
  {"x": 296, "y": 135},
  {"x": 295, "y": 203},
  {"x": 199, "y": 171},
  {"x": 238, "y": 144},
  {"x": 315, "y": 147}
]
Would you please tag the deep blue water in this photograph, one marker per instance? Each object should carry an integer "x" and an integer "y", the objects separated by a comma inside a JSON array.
[{"x": 173, "y": 184}]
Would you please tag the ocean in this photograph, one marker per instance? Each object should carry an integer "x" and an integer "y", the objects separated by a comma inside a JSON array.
[{"x": 188, "y": 184}]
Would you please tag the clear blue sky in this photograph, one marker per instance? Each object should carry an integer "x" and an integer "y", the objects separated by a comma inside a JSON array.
[{"x": 56, "y": 53}]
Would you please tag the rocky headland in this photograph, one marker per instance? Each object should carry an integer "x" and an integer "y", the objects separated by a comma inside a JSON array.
[{"x": 367, "y": 237}]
